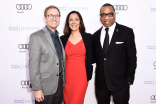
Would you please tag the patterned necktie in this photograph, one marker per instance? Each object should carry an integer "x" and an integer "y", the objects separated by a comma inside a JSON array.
[{"x": 106, "y": 42}]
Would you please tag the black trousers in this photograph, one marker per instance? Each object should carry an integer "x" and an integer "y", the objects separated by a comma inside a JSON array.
[
  {"x": 119, "y": 97},
  {"x": 56, "y": 98}
]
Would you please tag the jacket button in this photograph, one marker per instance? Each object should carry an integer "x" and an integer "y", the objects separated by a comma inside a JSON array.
[
  {"x": 57, "y": 63},
  {"x": 57, "y": 75}
]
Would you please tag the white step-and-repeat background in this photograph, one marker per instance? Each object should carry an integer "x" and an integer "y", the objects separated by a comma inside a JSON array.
[{"x": 16, "y": 25}]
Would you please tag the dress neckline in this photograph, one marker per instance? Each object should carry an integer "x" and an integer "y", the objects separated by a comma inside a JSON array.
[{"x": 76, "y": 43}]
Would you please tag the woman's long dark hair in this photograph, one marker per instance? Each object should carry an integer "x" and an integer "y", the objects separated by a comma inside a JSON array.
[{"x": 67, "y": 30}]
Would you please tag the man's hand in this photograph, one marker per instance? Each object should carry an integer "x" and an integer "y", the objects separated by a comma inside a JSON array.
[{"x": 39, "y": 95}]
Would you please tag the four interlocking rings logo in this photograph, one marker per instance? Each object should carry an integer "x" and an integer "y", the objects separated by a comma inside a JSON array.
[
  {"x": 25, "y": 83},
  {"x": 23, "y": 46},
  {"x": 153, "y": 97},
  {"x": 23, "y": 6},
  {"x": 120, "y": 7},
  {"x": 154, "y": 64}
]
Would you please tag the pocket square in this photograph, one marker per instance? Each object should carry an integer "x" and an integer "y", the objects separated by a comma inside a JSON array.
[{"x": 119, "y": 42}]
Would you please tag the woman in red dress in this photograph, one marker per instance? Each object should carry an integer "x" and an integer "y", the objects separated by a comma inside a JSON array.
[{"x": 78, "y": 49}]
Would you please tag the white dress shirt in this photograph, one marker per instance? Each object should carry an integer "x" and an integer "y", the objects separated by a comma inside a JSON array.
[{"x": 110, "y": 33}]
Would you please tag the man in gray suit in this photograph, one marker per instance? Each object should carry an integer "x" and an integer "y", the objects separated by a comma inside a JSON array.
[{"x": 47, "y": 61}]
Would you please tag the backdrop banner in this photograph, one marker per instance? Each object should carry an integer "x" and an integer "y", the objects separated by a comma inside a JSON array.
[{"x": 20, "y": 18}]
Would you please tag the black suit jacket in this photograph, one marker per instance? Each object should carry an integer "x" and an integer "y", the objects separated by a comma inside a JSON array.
[
  {"x": 117, "y": 67},
  {"x": 87, "y": 39}
]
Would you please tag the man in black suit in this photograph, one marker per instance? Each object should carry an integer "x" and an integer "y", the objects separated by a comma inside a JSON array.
[{"x": 115, "y": 55}]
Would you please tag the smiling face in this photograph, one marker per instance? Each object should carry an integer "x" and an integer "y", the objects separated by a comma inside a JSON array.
[
  {"x": 107, "y": 21},
  {"x": 74, "y": 22},
  {"x": 52, "y": 23}
]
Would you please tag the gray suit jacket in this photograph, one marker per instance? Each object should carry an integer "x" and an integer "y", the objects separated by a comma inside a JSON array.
[{"x": 44, "y": 63}]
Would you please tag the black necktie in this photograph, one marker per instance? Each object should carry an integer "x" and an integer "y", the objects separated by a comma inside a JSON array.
[{"x": 106, "y": 41}]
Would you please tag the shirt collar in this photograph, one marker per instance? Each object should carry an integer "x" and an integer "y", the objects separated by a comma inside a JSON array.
[
  {"x": 110, "y": 28},
  {"x": 51, "y": 33}
]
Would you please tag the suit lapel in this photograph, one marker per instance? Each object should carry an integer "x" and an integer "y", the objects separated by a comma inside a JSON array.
[
  {"x": 47, "y": 35},
  {"x": 114, "y": 37},
  {"x": 98, "y": 40}
]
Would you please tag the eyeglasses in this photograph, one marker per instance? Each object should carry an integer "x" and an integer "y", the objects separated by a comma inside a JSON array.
[
  {"x": 103, "y": 15},
  {"x": 52, "y": 16}
]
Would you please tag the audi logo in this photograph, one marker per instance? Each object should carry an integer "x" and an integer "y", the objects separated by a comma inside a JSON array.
[
  {"x": 154, "y": 63},
  {"x": 25, "y": 83},
  {"x": 153, "y": 97},
  {"x": 23, "y": 46},
  {"x": 121, "y": 7},
  {"x": 23, "y": 6}
]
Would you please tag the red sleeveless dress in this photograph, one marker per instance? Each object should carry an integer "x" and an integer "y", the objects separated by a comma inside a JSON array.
[{"x": 76, "y": 77}]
